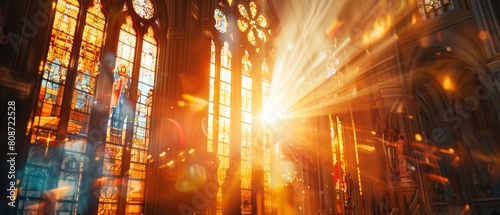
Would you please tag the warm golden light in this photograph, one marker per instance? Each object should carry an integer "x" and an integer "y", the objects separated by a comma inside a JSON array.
[
  {"x": 447, "y": 83},
  {"x": 483, "y": 35},
  {"x": 418, "y": 137},
  {"x": 366, "y": 148}
]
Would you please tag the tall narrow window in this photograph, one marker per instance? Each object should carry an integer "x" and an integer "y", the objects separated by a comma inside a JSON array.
[
  {"x": 338, "y": 153},
  {"x": 48, "y": 110},
  {"x": 119, "y": 112},
  {"x": 54, "y": 128},
  {"x": 88, "y": 66},
  {"x": 224, "y": 118},
  {"x": 129, "y": 119},
  {"x": 140, "y": 141},
  {"x": 246, "y": 134},
  {"x": 211, "y": 100},
  {"x": 250, "y": 27},
  {"x": 266, "y": 84},
  {"x": 74, "y": 159}
]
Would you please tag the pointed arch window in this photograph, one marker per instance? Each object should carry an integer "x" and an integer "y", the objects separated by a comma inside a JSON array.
[
  {"x": 127, "y": 139},
  {"x": 246, "y": 132},
  {"x": 62, "y": 115},
  {"x": 58, "y": 132},
  {"x": 232, "y": 98},
  {"x": 142, "y": 125}
]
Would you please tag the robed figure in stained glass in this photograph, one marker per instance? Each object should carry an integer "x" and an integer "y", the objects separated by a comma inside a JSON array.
[{"x": 119, "y": 96}]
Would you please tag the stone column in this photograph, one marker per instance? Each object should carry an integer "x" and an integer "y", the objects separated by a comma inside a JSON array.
[
  {"x": 167, "y": 133},
  {"x": 487, "y": 142}
]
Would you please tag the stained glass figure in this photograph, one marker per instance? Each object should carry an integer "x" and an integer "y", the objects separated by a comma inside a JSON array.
[
  {"x": 120, "y": 110},
  {"x": 221, "y": 23},
  {"x": 119, "y": 96}
]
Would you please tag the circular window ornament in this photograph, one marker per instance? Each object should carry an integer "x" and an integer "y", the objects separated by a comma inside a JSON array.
[
  {"x": 221, "y": 23},
  {"x": 144, "y": 8}
]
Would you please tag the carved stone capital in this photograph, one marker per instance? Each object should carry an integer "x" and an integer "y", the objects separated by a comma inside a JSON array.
[
  {"x": 207, "y": 25},
  {"x": 391, "y": 91},
  {"x": 176, "y": 32},
  {"x": 483, "y": 133},
  {"x": 494, "y": 64}
]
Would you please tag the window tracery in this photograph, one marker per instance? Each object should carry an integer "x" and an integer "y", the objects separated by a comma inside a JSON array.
[{"x": 58, "y": 135}]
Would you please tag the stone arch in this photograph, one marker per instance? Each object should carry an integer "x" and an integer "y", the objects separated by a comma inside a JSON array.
[{"x": 452, "y": 51}]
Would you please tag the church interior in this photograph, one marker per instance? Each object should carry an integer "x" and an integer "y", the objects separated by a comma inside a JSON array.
[{"x": 251, "y": 107}]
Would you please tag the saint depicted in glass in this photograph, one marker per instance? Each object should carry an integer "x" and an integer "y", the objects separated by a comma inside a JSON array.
[{"x": 119, "y": 96}]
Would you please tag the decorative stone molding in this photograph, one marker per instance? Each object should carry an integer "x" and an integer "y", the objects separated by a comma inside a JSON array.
[
  {"x": 494, "y": 66},
  {"x": 207, "y": 26},
  {"x": 176, "y": 32},
  {"x": 483, "y": 133},
  {"x": 391, "y": 91}
]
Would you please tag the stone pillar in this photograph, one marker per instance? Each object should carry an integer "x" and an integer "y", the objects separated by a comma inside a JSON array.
[
  {"x": 167, "y": 134},
  {"x": 405, "y": 193},
  {"x": 488, "y": 147},
  {"x": 393, "y": 124}
]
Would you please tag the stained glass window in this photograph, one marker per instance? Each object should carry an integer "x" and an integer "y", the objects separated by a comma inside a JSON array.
[
  {"x": 221, "y": 23},
  {"x": 211, "y": 100},
  {"x": 47, "y": 120},
  {"x": 58, "y": 134},
  {"x": 224, "y": 128},
  {"x": 144, "y": 8},
  {"x": 140, "y": 141},
  {"x": 338, "y": 153},
  {"x": 266, "y": 141},
  {"x": 252, "y": 23},
  {"x": 74, "y": 156},
  {"x": 88, "y": 68},
  {"x": 119, "y": 113},
  {"x": 246, "y": 133},
  {"x": 428, "y": 7}
]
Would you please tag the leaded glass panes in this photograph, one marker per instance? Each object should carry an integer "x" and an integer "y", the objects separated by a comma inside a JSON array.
[
  {"x": 58, "y": 152},
  {"x": 88, "y": 68},
  {"x": 246, "y": 132},
  {"x": 221, "y": 23},
  {"x": 55, "y": 71},
  {"x": 144, "y": 8},
  {"x": 429, "y": 7},
  {"x": 47, "y": 117},
  {"x": 267, "y": 157},
  {"x": 119, "y": 113},
  {"x": 142, "y": 121},
  {"x": 122, "y": 76},
  {"x": 224, "y": 120},
  {"x": 211, "y": 100},
  {"x": 252, "y": 23}
]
